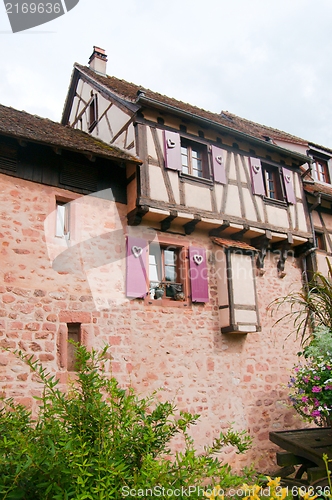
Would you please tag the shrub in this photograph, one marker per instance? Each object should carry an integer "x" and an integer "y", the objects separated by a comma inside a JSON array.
[{"x": 99, "y": 441}]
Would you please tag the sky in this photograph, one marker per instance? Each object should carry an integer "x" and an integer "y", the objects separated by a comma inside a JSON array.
[{"x": 268, "y": 61}]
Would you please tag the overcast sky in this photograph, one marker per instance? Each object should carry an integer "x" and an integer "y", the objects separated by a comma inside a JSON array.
[{"x": 265, "y": 60}]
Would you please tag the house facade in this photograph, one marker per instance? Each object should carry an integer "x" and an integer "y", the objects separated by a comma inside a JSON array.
[
  {"x": 218, "y": 227},
  {"x": 165, "y": 231}
]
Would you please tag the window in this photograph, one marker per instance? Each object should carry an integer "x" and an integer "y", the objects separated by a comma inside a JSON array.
[
  {"x": 272, "y": 180},
  {"x": 194, "y": 159},
  {"x": 74, "y": 335},
  {"x": 161, "y": 270},
  {"x": 165, "y": 280},
  {"x": 320, "y": 241},
  {"x": 93, "y": 113},
  {"x": 320, "y": 171},
  {"x": 62, "y": 220}
]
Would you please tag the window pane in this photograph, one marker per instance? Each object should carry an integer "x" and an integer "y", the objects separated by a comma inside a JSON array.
[
  {"x": 154, "y": 263},
  {"x": 170, "y": 257},
  {"x": 170, "y": 273},
  {"x": 62, "y": 220}
]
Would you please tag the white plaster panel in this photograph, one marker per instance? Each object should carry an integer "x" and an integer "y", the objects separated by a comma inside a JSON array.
[
  {"x": 260, "y": 207},
  {"x": 248, "y": 204},
  {"x": 233, "y": 201},
  {"x": 322, "y": 266},
  {"x": 242, "y": 279},
  {"x": 224, "y": 317},
  {"x": 197, "y": 196},
  {"x": 103, "y": 104},
  {"x": 120, "y": 141},
  {"x": 243, "y": 177},
  {"x": 242, "y": 316},
  {"x": 86, "y": 92},
  {"x": 315, "y": 219},
  {"x": 117, "y": 118},
  {"x": 73, "y": 110},
  {"x": 297, "y": 185},
  {"x": 277, "y": 216},
  {"x": 157, "y": 186},
  {"x": 130, "y": 136},
  {"x": 232, "y": 170},
  {"x": 174, "y": 179},
  {"x": 79, "y": 87},
  {"x": 102, "y": 130},
  {"x": 219, "y": 190},
  {"x": 150, "y": 143},
  {"x": 327, "y": 218},
  {"x": 302, "y": 218}
]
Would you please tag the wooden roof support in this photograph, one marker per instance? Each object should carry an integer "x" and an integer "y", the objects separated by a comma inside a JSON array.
[
  {"x": 189, "y": 227},
  {"x": 262, "y": 243},
  {"x": 166, "y": 223},
  {"x": 217, "y": 231}
]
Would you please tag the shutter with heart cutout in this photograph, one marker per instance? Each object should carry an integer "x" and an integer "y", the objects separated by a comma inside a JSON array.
[
  {"x": 137, "y": 259},
  {"x": 289, "y": 188},
  {"x": 256, "y": 174},
  {"x": 218, "y": 165},
  {"x": 198, "y": 275},
  {"x": 172, "y": 150}
]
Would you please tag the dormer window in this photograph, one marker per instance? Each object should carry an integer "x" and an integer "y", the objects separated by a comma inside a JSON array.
[{"x": 320, "y": 171}]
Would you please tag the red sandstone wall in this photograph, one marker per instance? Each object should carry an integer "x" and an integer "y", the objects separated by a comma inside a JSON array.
[{"x": 226, "y": 379}]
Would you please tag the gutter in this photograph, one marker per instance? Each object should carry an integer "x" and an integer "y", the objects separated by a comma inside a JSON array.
[{"x": 186, "y": 114}]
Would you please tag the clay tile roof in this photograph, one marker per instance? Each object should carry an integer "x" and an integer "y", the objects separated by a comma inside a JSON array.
[
  {"x": 129, "y": 92},
  {"x": 223, "y": 242},
  {"x": 318, "y": 188},
  {"x": 33, "y": 128}
]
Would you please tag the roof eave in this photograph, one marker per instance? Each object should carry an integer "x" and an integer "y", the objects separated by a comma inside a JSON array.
[{"x": 167, "y": 107}]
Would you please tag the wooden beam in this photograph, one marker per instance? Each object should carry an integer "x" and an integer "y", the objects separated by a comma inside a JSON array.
[
  {"x": 189, "y": 227},
  {"x": 166, "y": 223}
]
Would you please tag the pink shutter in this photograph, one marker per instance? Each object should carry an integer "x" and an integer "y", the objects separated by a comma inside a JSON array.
[
  {"x": 198, "y": 275},
  {"x": 172, "y": 150},
  {"x": 257, "y": 179},
  {"x": 289, "y": 188},
  {"x": 218, "y": 165},
  {"x": 137, "y": 258}
]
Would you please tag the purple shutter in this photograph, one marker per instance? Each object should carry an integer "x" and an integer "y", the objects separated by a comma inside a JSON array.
[
  {"x": 137, "y": 258},
  {"x": 218, "y": 165},
  {"x": 257, "y": 179},
  {"x": 289, "y": 188},
  {"x": 198, "y": 275},
  {"x": 172, "y": 150}
]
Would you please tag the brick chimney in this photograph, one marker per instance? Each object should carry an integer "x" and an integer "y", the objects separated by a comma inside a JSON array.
[{"x": 98, "y": 60}]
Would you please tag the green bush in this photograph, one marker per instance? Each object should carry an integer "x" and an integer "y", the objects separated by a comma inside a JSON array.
[{"x": 99, "y": 441}]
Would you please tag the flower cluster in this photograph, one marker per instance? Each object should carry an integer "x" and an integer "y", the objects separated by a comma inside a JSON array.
[{"x": 311, "y": 389}]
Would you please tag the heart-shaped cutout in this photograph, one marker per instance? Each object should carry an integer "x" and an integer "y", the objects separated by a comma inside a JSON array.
[
  {"x": 137, "y": 251},
  {"x": 219, "y": 159},
  {"x": 198, "y": 259},
  {"x": 171, "y": 144},
  {"x": 256, "y": 168},
  {"x": 287, "y": 177}
]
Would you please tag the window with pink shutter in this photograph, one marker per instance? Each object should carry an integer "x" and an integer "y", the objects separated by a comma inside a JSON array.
[
  {"x": 137, "y": 259},
  {"x": 198, "y": 275}
]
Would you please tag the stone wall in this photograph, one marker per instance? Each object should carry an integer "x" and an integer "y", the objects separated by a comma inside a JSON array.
[{"x": 225, "y": 378}]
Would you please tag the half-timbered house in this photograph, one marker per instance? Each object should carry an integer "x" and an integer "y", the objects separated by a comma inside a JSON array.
[{"x": 217, "y": 228}]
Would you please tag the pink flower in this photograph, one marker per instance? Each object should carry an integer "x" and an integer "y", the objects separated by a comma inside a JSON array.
[
  {"x": 306, "y": 379},
  {"x": 316, "y": 388},
  {"x": 328, "y": 387},
  {"x": 316, "y": 377},
  {"x": 315, "y": 413},
  {"x": 305, "y": 399}
]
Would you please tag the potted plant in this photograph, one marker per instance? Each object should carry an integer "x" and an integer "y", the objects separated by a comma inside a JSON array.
[{"x": 311, "y": 383}]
